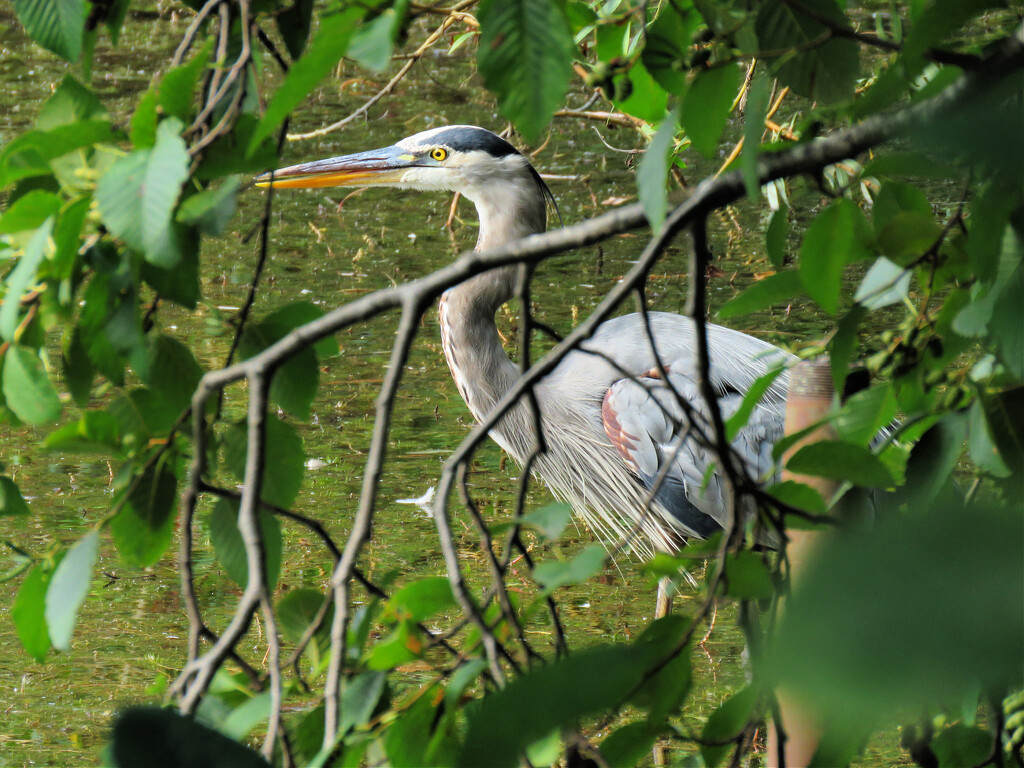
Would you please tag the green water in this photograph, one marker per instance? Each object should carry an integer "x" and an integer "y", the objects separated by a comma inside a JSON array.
[{"x": 132, "y": 628}]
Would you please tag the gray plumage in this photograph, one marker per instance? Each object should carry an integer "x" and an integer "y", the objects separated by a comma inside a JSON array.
[{"x": 610, "y": 429}]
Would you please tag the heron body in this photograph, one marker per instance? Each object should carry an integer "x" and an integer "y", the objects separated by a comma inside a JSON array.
[{"x": 618, "y": 444}]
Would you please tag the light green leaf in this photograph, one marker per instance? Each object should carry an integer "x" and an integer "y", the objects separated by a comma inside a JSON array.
[
  {"x": 29, "y": 612},
  {"x": 637, "y": 94},
  {"x": 652, "y": 175},
  {"x": 359, "y": 698},
  {"x": 834, "y": 239},
  {"x": 774, "y": 289},
  {"x": 798, "y": 496},
  {"x": 665, "y": 53},
  {"x": 29, "y": 211},
  {"x": 629, "y": 744},
  {"x": 21, "y": 277},
  {"x": 525, "y": 56},
  {"x": 137, "y": 195},
  {"x": 422, "y": 599},
  {"x": 558, "y": 573},
  {"x": 864, "y": 414},
  {"x": 72, "y": 102},
  {"x": 211, "y": 209},
  {"x": 57, "y": 25},
  {"x": 12, "y": 503},
  {"x": 549, "y": 520},
  {"x": 884, "y": 284},
  {"x": 373, "y": 42},
  {"x": 68, "y": 587},
  {"x": 176, "y": 90},
  {"x": 725, "y": 724},
  {"x": 244, "y": 718},
  {"x": 27, "y": 387},
  {"x": 840, "y": 461},
  {"x": 319, "y": 59},
  {"x": 706, "y": 106},
  {"x": 94, "y": 431}
]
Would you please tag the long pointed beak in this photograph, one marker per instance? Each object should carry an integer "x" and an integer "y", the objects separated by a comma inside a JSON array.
[{"x": 378, "y": 166}]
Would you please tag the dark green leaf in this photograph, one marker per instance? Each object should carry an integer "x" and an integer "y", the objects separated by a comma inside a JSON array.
[
  {"x": 142, "y": 414},
  {"x": 843, "y": 344},
  {"x": 834, "y": 239},
  {"x": 884, "y": 284},
  {"x": 230, "y": 548},
  {"x": 865, "y": 413},
  {"x": 172, "y": 371},
  {"x": 12, "y": 503},
  {"x": 180, "y": 283},
  {"x": 775, "y": 236},
  {"x": 294, "y": 23},
  {"x": 320, "y": 58},
  {"x": 137, "y": 195},
  {"x": 211, "y": 209},
  {"x": 558, "y": 573},
  {"x": 27, "y": 387},
  {"x": 525, "y": 56},
  {"x": 753, "y": 126},
  {"x": 739, "y": 418},
  {"x": 21, "y": 277},
  {"x": 840, "y": 461},
  {"x": 67, "y": 236},
  {"x": 29, "y": 612},
  {"x": 663, "y": 694},
  {"x": 553, "y": 695},
  {"x": 959, "y": 745},
  {"x": 29, "y": 211},
  {"x": 917, "y": 610},
  {"x": 931, "y": 464},
  {"x": 937, "y": 21},
  {"x": 1005, "y": 414},
  {"x": 422, "y": 599},
  {"x": 895, "y": 198},
  {"x": 668, "y": 37},
  {"x": 359, "y": 698},
  {"x": 95, "y": 431},
  {"x": 285, "y": 460},
  {"x": 652, "y": 174},
  {"x": 143, "y": 528},
  {"x": 823, "y": 67},
  {"x": 152, "y": 736},
  {"x": 774, "y": 289},
  {"x": 1006, "y": 326},
  {"x": 747, "y": 577},
  {"x": 79, "y": 371},
  {"x": 68, "y": 587},
  {"x": 725, "y": 723},
  {"x": 57, "y": 25},
  {"x": 990, "y": 211},
  {"x": 798, "y": 496},
  {"x": 406, "y": 741},
  {"x": 706, "y": 106},
  {"x": 628, "y": 745},
  {"x": 982, "y": 447},
  {"x": 296, "y": 611},
  {"x": 906, "y": 236},
  {"x": 906, "y": 163},
  {"x": 177, "y": 88}
]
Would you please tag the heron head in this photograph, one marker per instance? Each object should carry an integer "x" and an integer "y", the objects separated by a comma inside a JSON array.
[{"x": 480, "y": 165}]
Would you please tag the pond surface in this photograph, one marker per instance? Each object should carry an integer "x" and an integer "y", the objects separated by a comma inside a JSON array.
[{"x": 132, "y": 628}]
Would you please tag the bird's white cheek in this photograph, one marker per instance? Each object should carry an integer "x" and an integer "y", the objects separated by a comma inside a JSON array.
[{"x": 429, "y": 178}]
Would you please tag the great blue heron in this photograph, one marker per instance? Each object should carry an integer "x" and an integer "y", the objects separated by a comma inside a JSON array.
[{"x": 613, "y": 427}]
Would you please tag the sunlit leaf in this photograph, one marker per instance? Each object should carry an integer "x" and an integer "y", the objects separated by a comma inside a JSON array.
[
  {"x": 68, "y": 587},
  {"x": 172, "y": 371},
  {"x": 706, "y": 105},
  {"x": 12, "y": 503},
  {"x": 176, "y": 90},
  {"x": 884, "y": 284},
  {"x": 769, "y": 291},
  {"x": 21, "y": 277},
  {"x": 320, "y": 57},
  {"x": 230, "y": 548},
  {"x": 799, "y": 496},
  {"x": 94, "y": 431},
  {"x": 422, "y": 599},
  {"x": 401, "y": 646},
  {"x": 31, "y": 153},
  {"x": 150, "y": 735},
  {"x": 29, "y": 611},
  {"x": 374, "y": 41},
  {"x": 57, "y": 25},
  {"x": 834, "y": 239},
  {"x": 525, "y": 57},
  {"x": 637, "y": 94},
  {"x": 753, "y": 396},
  {"x": 27, "y": 387},
  {"x": 72, "y": 102},
  {"x": 549, "y": 520},
  {"x": 558, "y": 573},
  {"x": 865, "y": 413},
  {"x": 840, "y": 461},
  {"x": 29, "y": 211},
  {"x": 652, "y": 174}
]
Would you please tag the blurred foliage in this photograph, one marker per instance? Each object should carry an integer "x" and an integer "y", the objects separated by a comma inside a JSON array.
[{"x": 918, "y": 617}]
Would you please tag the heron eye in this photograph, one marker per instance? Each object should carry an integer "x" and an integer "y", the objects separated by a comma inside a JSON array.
[{"x": 439, "y": 154}]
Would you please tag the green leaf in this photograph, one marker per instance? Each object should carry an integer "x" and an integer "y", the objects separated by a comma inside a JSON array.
[
  {"x": 95, "y": 431},
  {"x": 895, "y": 198},
  {"x": 663, "y": 694},
  {"x": 142, "y": 530},
  {"x": 374, "y": 41},
  {"x": 525, "y": 56},
  {"x": 285, "y": 460},
  {"x": 294, "y": 23},
  {"x": 29, "y": 612},
  {"x": 319, "y": 60},
  {"x": 550, "y": 696},
  {"x": 180, "y": 283},
  {"x": 774, "y": 289},
  {"x": 359, "y": 699},
  {"x": 739, "y": 418},
  {"x": 12, "y": 503},
  {"x": 843, "y": 344},
  {"x": 665, "y": 53},
  {"x": 931, "y": 464},
  {"x": 637, "y": 94},
  {"x": 71, "y": 103},
  {"x": 145, "y": 119},
  {"x": 29, "y": 211},
  {"x": 67, "y": 236},
  {"x": 909, "y": 235},
  {"x": 822, "y": 67},
  {"x": 31, "y": 153},
  {"x": 944, "y": 584},
  {"x": 296, "y": 611},
  {"x": 753, "y": 127},
  {"x": 959, "y": 744},
  {"x": 401, "y": 646},
  {"x": 137, "y": 195},
  {"x": 652, "y": 174},
  {"x": 884, "y": 284},
  {"x": 798, "y": 496},
  {"x": 148, "y": 735},
  {"x": 706, "y": 106},
  {"x": 840, "y": 461},
  {"x": 172, "y": 371},
  {"x": 142, "y": 414},
  {"x": 747, "y": 577},
  {"x": 906, "y": 163},
  {"x": 422, "y": 599},
  {"x": 1004, "y": 412},
  {"x": 211, "y": 209},
  {"x": 558, "y": 573},
  {"x": 725, "y": 724},
  {"x": 550, "y": 520},
  {"x": 230, "y": 548},
  {"x": 775, "y": 236},
  {"x": 27, "y": 387},
  {"x": 68, "y": 587},
  {"x": 21, "y": 277},
  {"x": 247, "y": 716},
  {"x": 864, "y": 414},
  {"x": 176, "y": 90},
  {"x": 57, "y": 25},
  {"x": 834, "y": 239},
  {"x": 629, "y": 744},
  {"x": 461, "y": 679}
]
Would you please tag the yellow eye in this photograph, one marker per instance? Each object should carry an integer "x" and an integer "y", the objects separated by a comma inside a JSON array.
[{"x": 439, "y": 154}]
